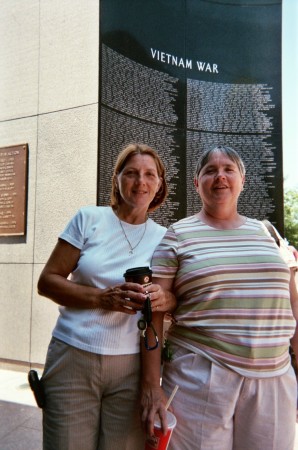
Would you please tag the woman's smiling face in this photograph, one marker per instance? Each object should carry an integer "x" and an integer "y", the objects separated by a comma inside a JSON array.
[
  {"x": 220, "y": 180},
  {"x": 138, "y": 182}
]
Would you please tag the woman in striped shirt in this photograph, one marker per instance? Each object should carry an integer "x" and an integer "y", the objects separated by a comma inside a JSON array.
[{"x": 236, "y": 316}]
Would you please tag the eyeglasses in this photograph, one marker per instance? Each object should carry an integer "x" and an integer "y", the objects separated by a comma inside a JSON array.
[{"x": 146, "y": 326}]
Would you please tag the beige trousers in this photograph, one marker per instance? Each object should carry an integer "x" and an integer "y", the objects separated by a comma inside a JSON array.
[
  {"x": 91, "y": 400},
  {"x": 217, "y": 409}
]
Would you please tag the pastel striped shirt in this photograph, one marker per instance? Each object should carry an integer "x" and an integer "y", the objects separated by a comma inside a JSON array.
[{"x": 233, "y": 295}]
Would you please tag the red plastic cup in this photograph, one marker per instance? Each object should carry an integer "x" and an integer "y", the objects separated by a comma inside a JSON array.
[{"x": 159, "y": 441}]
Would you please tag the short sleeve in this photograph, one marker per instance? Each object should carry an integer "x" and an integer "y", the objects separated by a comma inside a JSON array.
[
  {"x": 74, "y": 232},
  {"x": 165, "y": 256}
]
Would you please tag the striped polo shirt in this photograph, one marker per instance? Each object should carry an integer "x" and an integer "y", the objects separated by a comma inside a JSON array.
[{"x": 233, "y": 295}]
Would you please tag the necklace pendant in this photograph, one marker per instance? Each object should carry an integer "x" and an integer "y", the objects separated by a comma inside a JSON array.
[{"x": 128, "y": 241}]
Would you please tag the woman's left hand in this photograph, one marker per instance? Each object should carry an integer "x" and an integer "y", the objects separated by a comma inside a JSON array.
[
  {"x": 153, "y": 401},
  {"x": 161, "y": 300}
]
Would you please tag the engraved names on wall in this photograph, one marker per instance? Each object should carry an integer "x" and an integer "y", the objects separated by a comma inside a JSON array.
[{"x": 186, "y": 78}]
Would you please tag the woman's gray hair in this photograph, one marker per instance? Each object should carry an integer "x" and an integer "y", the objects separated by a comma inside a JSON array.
[{"x": 228, "y": 151}]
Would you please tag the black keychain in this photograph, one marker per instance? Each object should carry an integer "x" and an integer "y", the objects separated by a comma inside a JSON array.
[{"x": 145, "y": 324}]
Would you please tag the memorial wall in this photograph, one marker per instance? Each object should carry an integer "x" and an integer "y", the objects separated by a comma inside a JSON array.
[{"x": 183, "y": 76}]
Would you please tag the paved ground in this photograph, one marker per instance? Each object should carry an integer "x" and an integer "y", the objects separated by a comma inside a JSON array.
[
  {"x": 20, "y": 418},
  {"x": 20, "y": 427}
]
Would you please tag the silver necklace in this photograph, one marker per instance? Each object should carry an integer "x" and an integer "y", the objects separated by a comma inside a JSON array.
[{"x": 128, "y": 241}]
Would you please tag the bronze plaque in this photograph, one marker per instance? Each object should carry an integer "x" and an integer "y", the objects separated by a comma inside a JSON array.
[{"x": 13, "y": 190}]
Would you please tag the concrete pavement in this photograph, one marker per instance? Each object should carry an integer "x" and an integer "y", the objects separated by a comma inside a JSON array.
[{"x": 20, "y": 418}]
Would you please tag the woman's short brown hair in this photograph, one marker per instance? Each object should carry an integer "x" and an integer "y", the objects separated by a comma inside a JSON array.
[{"x": 128, "y": 152}]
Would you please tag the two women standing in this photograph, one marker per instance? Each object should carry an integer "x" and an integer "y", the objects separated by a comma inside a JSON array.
[{"x": 235, "y": 318}]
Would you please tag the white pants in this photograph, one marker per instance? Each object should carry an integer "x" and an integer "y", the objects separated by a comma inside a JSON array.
[
  {"x": 91, "y": 400},
  {"x": 217, "y": 409}
]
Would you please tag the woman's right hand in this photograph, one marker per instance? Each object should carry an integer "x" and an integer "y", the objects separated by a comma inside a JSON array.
[
  {"x": 127, "y": 298},
  {"x": 53, "y": 283}
]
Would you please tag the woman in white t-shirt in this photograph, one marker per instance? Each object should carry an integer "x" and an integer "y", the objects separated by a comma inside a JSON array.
[{"x": 92, "y": 371}]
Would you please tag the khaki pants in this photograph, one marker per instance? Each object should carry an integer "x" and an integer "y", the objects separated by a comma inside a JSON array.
[
  {"x": 91, "y": 400},
  {"x": 217, "y": 409}
]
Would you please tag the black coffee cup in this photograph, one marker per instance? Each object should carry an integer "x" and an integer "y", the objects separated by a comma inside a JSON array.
[{"x": 140, "y": 275}]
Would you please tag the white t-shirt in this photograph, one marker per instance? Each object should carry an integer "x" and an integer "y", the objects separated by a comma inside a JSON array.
[{"x": 104, "y": 258}]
